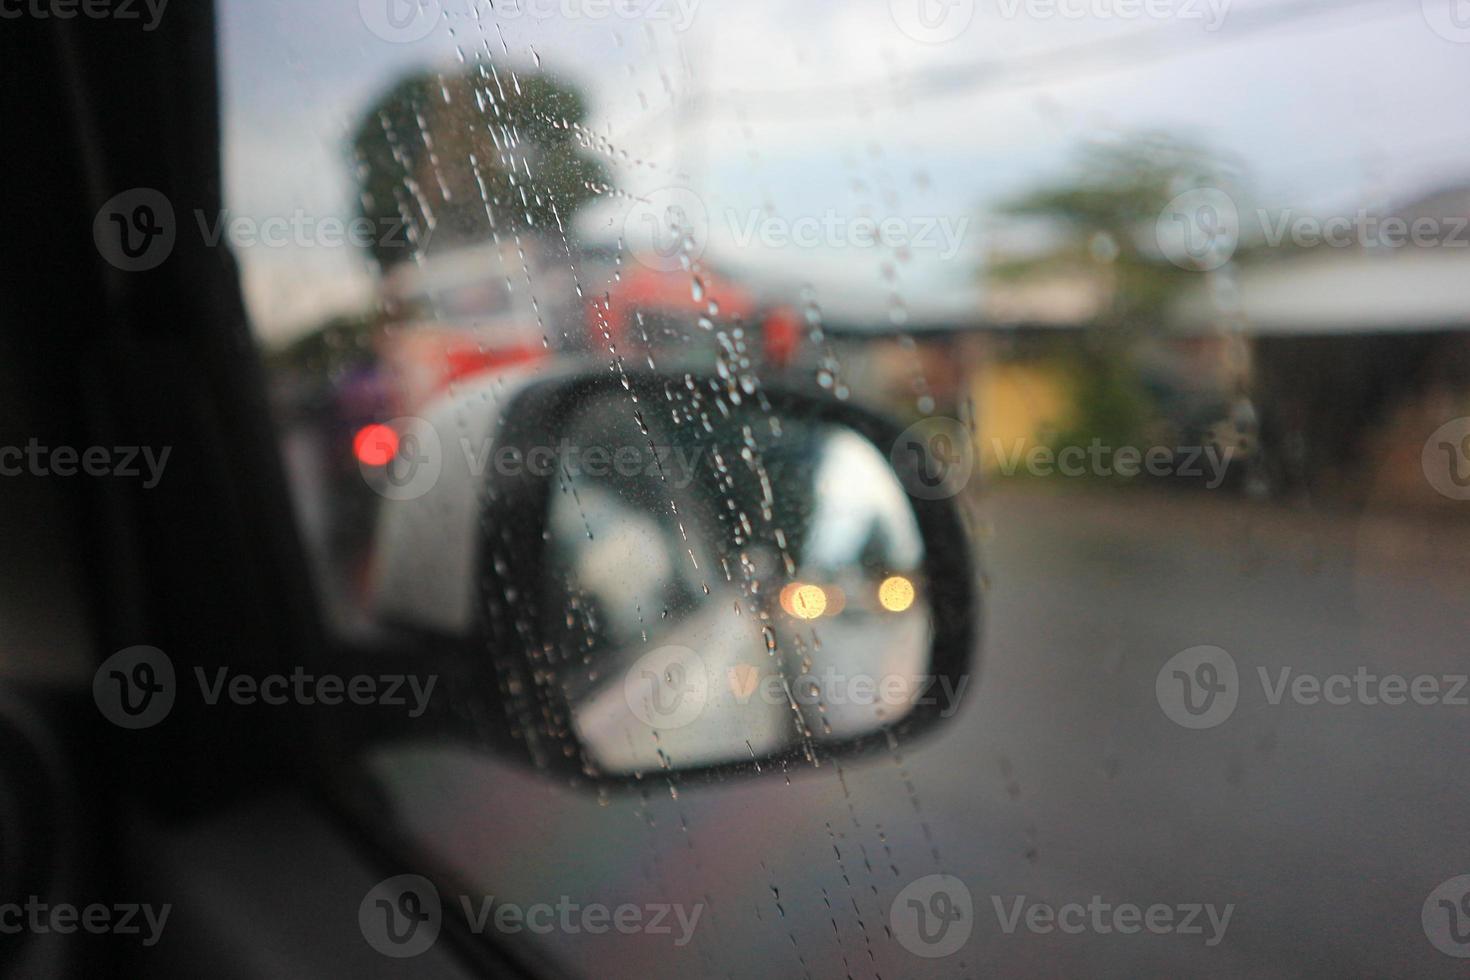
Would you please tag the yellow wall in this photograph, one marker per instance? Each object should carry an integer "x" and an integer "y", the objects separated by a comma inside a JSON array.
[{"x": 1017, "y": 401}]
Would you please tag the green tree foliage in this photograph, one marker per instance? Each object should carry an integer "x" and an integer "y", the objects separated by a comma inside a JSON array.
[
  {"x": 1106, "y": 208},
  {"x": 456, "y": 159},
  {"x": 1101, "y": 217}
]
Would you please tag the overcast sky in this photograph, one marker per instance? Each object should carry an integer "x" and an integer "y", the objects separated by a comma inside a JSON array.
[{"x": 830, "y": 110}]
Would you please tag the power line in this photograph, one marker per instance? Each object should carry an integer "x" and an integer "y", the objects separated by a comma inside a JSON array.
[{"x": 1093, "y": 57}]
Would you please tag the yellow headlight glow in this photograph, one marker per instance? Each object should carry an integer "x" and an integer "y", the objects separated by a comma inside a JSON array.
[
  {"x": 896, "y": 593},
  {"x": 803, "y": 600}
]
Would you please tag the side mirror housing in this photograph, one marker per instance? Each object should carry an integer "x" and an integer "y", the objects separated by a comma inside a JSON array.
[{"x": 647, "y": 573}]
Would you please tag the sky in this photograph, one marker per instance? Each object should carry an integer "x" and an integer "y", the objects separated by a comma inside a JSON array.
[{"x": 821, "y": 114}]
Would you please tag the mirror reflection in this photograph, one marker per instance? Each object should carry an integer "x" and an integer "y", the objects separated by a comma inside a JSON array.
[{"x": 756, "y": 587}]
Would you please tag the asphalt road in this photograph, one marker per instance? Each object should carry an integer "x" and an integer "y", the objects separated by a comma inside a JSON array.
[{"x": 1320, "y": 829}]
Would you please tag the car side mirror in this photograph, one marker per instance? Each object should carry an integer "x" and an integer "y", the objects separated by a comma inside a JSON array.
[{"x": 649, "y": 573}]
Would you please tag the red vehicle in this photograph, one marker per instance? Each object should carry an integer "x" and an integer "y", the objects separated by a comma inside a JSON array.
[
  {"x": 463, "y": 313},
  {"x": 648, "y": 309}
]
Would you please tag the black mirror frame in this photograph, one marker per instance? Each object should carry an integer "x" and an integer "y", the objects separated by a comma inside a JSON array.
[{"x": 515, "y": 513}]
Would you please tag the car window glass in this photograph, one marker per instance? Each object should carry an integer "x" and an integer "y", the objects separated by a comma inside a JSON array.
[{"x": 1187, "y": 279}]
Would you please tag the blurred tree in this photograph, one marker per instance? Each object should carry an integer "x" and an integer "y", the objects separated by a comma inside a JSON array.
[
  {"x": 1105, "y": 213},
  {"x": 455, "y": 159},
  {"x": 1098, "y": 222}
]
